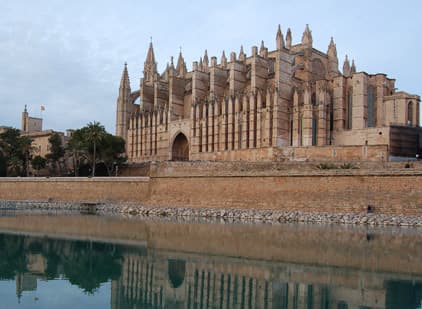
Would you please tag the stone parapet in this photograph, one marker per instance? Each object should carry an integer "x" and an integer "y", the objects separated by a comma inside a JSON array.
[{"x": 331, "y": 191}]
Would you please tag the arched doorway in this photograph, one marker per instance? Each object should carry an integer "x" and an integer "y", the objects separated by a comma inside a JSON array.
[{"x": 180, "y": 149}]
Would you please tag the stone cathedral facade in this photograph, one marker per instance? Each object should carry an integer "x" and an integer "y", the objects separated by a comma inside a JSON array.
[{"x": 292, "y": 103}]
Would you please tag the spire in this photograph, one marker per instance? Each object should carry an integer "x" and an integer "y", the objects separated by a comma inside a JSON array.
[
  {"x": 279, "y": 39},
  {"x": 150, "y": 56},
  {"x": 307, "y": 37},
  {"x": 150, "y": 67},
  {"x": 171, "y": 68},
  {"x": 223, "y": 60},
  {"x": 289, "y": 39},
  {"x": 201, "y": 66},
  {"x": 262, "y": 49},
  {"x": 332, "y": 59},
  {"x": 124, "y": 82},
  {"x": 332, "y": 49},
  {"x": 123, "y": 104},
  {"x": 166, "y": 72},
  {"x": 242, "y": 56},
  {"x": 26, "y": 109},
  {"x": 206, "y": 62},
  {"x": 181, "y": 65},
  {"x": 353, "y": 68},
  {"x": 346, "y": 67}
]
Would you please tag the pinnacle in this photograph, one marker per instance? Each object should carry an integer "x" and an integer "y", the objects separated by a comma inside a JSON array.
[
  {"x": 280, "y": 38},
  {"x": 124, "y": 82},
  {"x": 150, "y": 56}
]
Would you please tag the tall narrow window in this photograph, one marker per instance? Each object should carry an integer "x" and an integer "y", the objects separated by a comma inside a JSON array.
[
  {"x": 300, "y": 130},
  {"x": 410, "y": 114},
  {"x": 291, "y": 132},
  {"x": 314, "y": 129},
  {"x": 331, "y": 119},
  {"x": 371, "y": 107},
  {"x": 313, "y": 99},
  {"x": 349, "y": 109}
]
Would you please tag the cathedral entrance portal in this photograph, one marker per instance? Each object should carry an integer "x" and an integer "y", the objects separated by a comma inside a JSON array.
[{"x": 180, "y": 149}]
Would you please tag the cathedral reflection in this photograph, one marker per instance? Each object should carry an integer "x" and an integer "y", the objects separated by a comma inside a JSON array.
[
  {"x": 155, "y": 280},
  {"x": 143, "y": 277}
]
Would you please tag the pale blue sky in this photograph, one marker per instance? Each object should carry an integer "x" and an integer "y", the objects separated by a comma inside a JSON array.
[{"x": 69, "y": 55}]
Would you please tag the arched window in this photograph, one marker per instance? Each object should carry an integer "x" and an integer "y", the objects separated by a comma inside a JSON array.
[
  {"x": 410, "y": 114},
  {"x": 349, "y": 109},
  {"x": 371, "y": 107}
]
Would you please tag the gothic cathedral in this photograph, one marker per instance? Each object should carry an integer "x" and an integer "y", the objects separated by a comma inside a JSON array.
[{"x": 291, "y": 103}]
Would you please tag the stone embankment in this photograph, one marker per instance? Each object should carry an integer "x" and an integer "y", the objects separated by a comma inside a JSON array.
[{"x": 207, "y": 214}]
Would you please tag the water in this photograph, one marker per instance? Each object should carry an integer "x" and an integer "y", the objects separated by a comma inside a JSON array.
[{"x": 73, "y": 261}]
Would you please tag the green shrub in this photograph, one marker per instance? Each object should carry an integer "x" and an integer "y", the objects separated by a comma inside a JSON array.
[
  {"x": 327, "y": 166},
  {"x": 348, "y": 166}
]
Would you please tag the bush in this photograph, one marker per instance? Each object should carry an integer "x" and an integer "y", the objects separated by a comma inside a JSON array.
[
  {"x": 348, "y": 166},
  {"x": 326, "y": 166},
  {"x": 408, "y": 165}
]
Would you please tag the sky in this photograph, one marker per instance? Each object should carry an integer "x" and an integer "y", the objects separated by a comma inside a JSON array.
[{"x": 68, "y": 55}]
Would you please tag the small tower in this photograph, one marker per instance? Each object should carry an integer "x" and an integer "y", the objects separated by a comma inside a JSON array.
[
  {"x": 332, "y": 59},
  {"x": 279, "y": 39},
  {"x": 242, "y": 56},
  {"x": 25, "y": 118},
  {"x": 123, "y": 101},
  {"x": 353, "y": 68},
  {"x": 263, "y": 51},
  {"x": 181, "y": 69},
  {"x": 171, "y": 69},
  {"x": 201, "y": 66},
  {"x": 307, "y": 37},
  {"x": 206, "y": 63},
  {"x": 346, "y": 67},
  {"x": 223, "y": 60},
  {"x": 150, "y": 66},
  {"x": 289, "y": 39}
]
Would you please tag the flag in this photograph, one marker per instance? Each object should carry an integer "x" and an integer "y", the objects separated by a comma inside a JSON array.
[{"x": 42, "y": 108}]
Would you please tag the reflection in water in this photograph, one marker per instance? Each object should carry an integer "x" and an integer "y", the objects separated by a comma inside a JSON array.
[{"x": 149, "y": 276}]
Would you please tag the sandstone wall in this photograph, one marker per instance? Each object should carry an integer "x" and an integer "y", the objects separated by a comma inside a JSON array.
[
  {"x": 371, "y": 153},
  {"x": 87, "y": 189},
  {"x": 338, "y": 191}
]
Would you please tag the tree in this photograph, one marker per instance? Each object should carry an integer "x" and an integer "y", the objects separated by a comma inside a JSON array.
[
  {"x": 38, "y": 163},
  {"x": 76, "y": 149},
  {"x": 94, "y": 133},
  {"x": 3, "y": 165},
  {"x": 92, "y": 145},
  {"x": 26, "y": 149},
  {"x": 56, "y": 151},
  {"x": 15, "y": 166},
  {"x": 16, "y": 151},
  {"x": 112, "y": 151}
]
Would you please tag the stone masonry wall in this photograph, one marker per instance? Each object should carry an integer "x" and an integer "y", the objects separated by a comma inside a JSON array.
[{"x": 339, "y": 191}]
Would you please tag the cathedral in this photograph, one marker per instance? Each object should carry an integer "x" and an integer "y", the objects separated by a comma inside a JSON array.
[{"x": 291, "y": 103}]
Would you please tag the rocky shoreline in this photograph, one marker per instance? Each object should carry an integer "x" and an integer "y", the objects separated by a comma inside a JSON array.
[{"x": 208, "y": 214}]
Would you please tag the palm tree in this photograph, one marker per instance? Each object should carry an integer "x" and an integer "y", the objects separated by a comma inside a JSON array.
[
  {"x": 15, "y": 166},
  {"x": 95, "y": 131},
  {"x": 75, "y": 149}
]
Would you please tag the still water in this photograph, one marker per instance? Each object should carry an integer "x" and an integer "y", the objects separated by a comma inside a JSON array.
[{"x": 75, "y": 261}]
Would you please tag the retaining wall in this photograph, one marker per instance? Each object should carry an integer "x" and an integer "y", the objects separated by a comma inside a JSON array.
[{"x": 338, "y": 191}]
